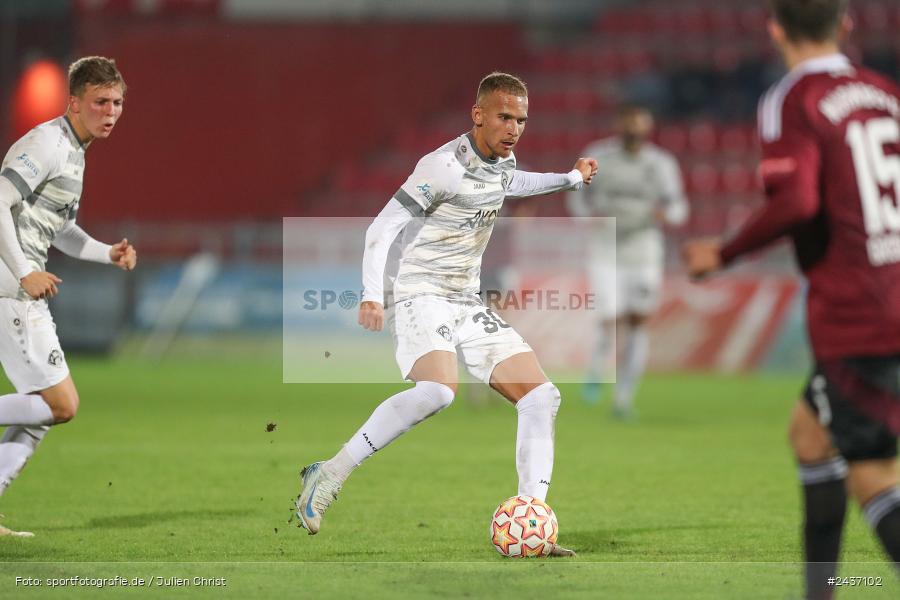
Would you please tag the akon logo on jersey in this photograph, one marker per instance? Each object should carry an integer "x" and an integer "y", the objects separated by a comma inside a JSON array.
[{"x": 483, "y": 218}]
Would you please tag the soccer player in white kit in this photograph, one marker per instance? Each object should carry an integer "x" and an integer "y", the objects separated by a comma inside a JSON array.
[
  {"x": 40, "y": 190},
  {"x": 639, "y": 184},
  {"x": 440, "y": 221}
]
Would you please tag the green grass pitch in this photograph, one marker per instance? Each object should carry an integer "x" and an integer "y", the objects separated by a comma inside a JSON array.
[{"x": 168, "y": 471}]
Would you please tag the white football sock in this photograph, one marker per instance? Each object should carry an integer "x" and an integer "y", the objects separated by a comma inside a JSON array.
[
  {"x": 341, "y": 464},
  {"x": 632, "y": 366},
  {"x": 16, "y": 447},
  {"x": 603, "y": 355},
  {"x": 24, "y": 409},
  {"x": 534, "y": 439},
  {"x": 391, "y": 418}
]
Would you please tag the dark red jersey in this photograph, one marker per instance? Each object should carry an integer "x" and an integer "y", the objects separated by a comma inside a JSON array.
[{"x": 830, "y": 134}]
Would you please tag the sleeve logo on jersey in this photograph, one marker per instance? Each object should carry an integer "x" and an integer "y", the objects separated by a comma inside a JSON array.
[
  {"x": 425, "y": 190},
  {"x": 29, "y": 164}
]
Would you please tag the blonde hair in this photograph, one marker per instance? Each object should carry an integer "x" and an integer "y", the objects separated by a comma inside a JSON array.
[
  {"x": 500, "y": 82},
  {"x": 93, "y": 70}
]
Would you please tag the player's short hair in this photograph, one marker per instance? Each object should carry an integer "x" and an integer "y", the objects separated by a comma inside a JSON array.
[
  {"x": 500, "y": 82},
  {"x": 811, "y": 20},
  {"x": 93, "y": 70}
]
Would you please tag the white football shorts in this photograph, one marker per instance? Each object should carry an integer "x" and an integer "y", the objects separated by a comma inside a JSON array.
[
  {"x": 475, "y": 333},
  {"x": 632, "y": 283},
  {"x": 29, "y": 349},
  {"x": 624, "y": 290}
]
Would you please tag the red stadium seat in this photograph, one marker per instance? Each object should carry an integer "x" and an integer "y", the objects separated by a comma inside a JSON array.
[
  {"x": 702, "y": 137},
  {"x": 673, "y": 138},
  {"x": 702, "y": 178},
  {"x": 734, "y": 139},
  {"x": 737, "y": 178}
]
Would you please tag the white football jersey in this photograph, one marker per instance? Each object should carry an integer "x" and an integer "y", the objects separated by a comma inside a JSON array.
[
  {"x": 632, "y": 188},
  {"x": 454, "y": 195},
  {"x": 47, "y": 168},
  {"x": 444, "y": 214}
]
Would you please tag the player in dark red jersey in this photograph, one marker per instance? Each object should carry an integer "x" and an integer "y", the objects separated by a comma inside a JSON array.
[{"x": 830, "y": 134}]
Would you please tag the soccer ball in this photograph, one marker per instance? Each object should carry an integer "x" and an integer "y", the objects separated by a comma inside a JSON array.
[{"x": 524, "y": 526}]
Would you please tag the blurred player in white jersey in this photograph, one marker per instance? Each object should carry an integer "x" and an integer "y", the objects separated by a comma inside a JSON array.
[
  {"x": 40, "y": 190},
  {"x": 639, "y": 184},
  {"x": 439, "y": 223}
]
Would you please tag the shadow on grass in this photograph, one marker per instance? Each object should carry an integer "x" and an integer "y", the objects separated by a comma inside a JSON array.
[
  {"x": 617, "y": 540},
  {"x": 150, "y": 518}
]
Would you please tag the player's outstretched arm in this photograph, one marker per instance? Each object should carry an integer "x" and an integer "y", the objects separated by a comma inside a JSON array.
[
  {"x": 524, "y": 183},
  {"x": 587, "y": 167},
  {"x": 75, "y": 242},
  {"x": 123, "y": 255}
]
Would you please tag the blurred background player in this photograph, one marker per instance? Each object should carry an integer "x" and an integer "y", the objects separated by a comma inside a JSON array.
[
  {"x": 441, "y": 219},
  {"x": 830, "y": 133},
  {"x": 639, "y": 185},
  {"x": 40, "y": 190}
]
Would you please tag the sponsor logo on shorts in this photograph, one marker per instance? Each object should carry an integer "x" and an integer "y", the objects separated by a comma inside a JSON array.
[
  {"x": 55, "y": 358},
  {"x": 444, "y": 332}
]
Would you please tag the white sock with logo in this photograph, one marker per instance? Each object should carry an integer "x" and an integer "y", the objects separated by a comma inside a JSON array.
[
  {"x": 24, "y": 409},
  {"x": 390, "y": 420},
  {"x": 534, "y": 439},
  {"x": 16, "y": 447}
]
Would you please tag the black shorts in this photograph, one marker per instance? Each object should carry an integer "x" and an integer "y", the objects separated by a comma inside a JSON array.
[{"x": 858, "y": 400}]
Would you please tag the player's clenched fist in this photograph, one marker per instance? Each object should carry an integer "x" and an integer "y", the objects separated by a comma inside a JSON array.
[
  {"x": 40, "y": 284},
  {"x": 123, "y": 255},
  {"x": 702, "y": 257},
  {"x": 371, "y": 315},
  {"x": 588, "y": 168}
]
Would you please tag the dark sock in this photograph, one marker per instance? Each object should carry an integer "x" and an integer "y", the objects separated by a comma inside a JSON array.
[
  {"x": 883, "y": 514},
  {"x": 825, "y": 503}
]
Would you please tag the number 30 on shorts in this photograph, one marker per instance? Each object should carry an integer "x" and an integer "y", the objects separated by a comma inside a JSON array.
[{"x": 491, "y": 321}]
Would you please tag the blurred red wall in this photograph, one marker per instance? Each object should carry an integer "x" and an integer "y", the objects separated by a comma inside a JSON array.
[{"x": 229, "y": 121}]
